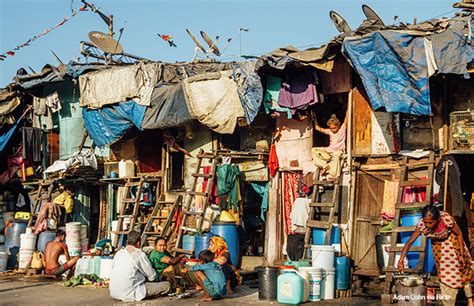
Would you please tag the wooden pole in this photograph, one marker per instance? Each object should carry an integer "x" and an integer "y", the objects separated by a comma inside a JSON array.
[{"x": 446, "y": 172}]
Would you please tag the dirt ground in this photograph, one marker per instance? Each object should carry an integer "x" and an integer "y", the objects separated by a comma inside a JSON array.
[{"x": 21, "y": 290}]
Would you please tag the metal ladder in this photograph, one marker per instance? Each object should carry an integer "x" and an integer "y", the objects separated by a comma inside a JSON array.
[
  {"x": 47, "y": 185},
  {"x": 129, "y": 208},
  {"x": 316, "y": 206},
  {"x": 426, "y": 164},
  {"x": 164, "y": 212},
  {"x": 190, "y": 196}
]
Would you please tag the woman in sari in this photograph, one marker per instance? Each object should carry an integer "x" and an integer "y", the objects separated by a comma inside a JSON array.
[
  {"x": 218, "y": 246},
  {"x": 452, "y": 258}
]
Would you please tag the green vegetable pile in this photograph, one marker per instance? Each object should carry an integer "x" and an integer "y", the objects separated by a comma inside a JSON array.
[{"x": 85, "y": 279}]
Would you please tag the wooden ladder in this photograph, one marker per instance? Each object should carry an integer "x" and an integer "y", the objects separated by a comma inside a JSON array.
[
  {"x": 47, "y": 185},
  {"x": 190, "y": 196},
  {"x": 129, "y": 208},
  {"x": 164, "y": 212},
  {"x": 316, "y": 206}
]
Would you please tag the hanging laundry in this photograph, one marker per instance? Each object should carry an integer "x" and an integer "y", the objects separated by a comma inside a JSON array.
[
  {"x": 65, "y": 200},
  {"x": 290, "y": 193},
  {"x": 299, "y": 214},
  {"x": 390, "y": 194},
  {"x": 53, "y": 102},
  {"x": 273, "y": 160},
  {"x": 298, "y": 91},
  {"x": 227, "y": 184},
  {"x": 42, "y": 114},
  {"x": 454, "y": 184},
  {"x": 32, "y": 143},
  {"x": 214, "y": 195},
  {"x": 272, "y": 94},
  {"x": 262, "y": 189}
]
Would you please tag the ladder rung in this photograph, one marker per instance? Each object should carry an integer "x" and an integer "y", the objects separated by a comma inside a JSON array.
[
  {"x": 319, "y": 224},
  {"x": 121, "y": 232},
  {"x": 412, "y": 249},
  {"x": 151, "y": 233},
  {"x": 198, "y": 193},
  {"x": 177, "y": 250},
  {"x": 321, "y": 204},
  {"x": 418, "y": 165},
  {"x": 411, "y": 205},
  {"x": 132, "y": 184},
  {"x": 159, "y": 217},
  {"x": 201, "y": 175},
  {"x": 129, "y": 200},
  {"x": 324, "y": 183},
  {"x": 403, "y": 229},
  {"x": 206, "y": 155},
  {"x": 125, "y": 216},
  {"x": 192, "y": 213},
  {"x": 164, "y": 202},
  {"x": 415, "y": 183},
  {"x": 392, "y": 269},
  {"x": 188, "y": 229}
]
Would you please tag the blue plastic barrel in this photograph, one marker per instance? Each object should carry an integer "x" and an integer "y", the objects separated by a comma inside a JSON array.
[
  {"x": 343, "y": 273},
  {"x": 12, "y": 240},
  {"x": 319, "y": 236},
  {"x": 44, "y": 238},
  {"x": 335, "y": 235},
  {"x": 411, "y": 219},
  {"x": 430, "y": 266},
  {"x": 228, "y": 231},
  {"x": 189, "y": 243},
  {"x": 202, "y": 243}
]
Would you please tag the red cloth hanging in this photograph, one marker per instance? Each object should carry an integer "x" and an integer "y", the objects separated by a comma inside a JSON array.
[
  {"x": 273, "y": 160},
  {"x": 290, "y": 193}
]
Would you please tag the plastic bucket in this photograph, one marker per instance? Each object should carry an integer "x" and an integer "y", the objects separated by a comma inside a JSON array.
[
  {"x": 315, "y": 284},
  {"x": 329, "y": 282},
  {"x": 318, "y": 236},
  {"x": 27, "y": 242},
  {"x": 73, "y": 232},
  {"x": 304, "y": 273},
  {"x": 267, "y": 283},
  {"x": 3, "y": 261},
  {"x": 411, "y": 219},
  {"x": 189, "y": 243},
  {"x": 323, "y": 256},
  {"x": 343, "y": 273},
  {"x": 24, "y": 258}
]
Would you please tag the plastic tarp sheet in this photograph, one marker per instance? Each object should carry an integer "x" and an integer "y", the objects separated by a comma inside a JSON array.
[
  {"x": 108, "y": 124},
  {"x": 249, "y": 88},
  {"x": 167, "y": 109},
  {"x": 393, "y": 69},
  {"x": 213, "y": 100},
  {"x": 109, "y": 86}
]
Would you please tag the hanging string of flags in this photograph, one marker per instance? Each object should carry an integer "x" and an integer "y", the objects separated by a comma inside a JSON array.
[
  {"x": 3, "y": 56},
  {"x": 168, "y": 39}
]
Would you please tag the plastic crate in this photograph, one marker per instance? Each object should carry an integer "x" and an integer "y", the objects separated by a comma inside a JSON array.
[{"x": 462, "y": 131}]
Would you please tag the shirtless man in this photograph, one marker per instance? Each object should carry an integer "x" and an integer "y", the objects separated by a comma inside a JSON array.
[{"x": 52, "y": 252}]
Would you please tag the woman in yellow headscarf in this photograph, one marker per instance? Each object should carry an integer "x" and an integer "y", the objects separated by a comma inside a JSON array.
[{"x": 218, "y": 246}]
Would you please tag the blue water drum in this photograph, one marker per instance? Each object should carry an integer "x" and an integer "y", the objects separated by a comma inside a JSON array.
[
  {"x": 202, "y": 243},
  {"x": 319, "y": 236},
  {"x": 411, "y": 219},
  {"x": 44, "y": 238},
  {"x": 343, "y": 273},
  {"x": 430, "y": 266},
  {"x": 189, "y": 242},
  {"x": 12, "y": 240},
  {"x": 228, "y": 231}
]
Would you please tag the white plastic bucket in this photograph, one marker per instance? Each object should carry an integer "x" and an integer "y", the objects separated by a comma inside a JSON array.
[
  {"x": 3, "y": 261},
  {"x": 106, "y": 267},
  {"x": 24, "y": 258},
  {"x": 386, "y": 254},
  {"x": 303, "y": 272},
  {"x": 83, "y": 232},
  {"x": 114, "y": 229},
  {"x": 329, "y": 283},
  {"x": 73, "y": 232},
  {"x": 315, "y": 282},
  {"x": 84, "y": 245},
  {"x": 27, "y": 242},
  {"x": 322, "y": 256}
]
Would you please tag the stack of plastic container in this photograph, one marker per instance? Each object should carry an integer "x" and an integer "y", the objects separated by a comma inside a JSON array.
[
  {"x": 323, "y": 258},
  {"x": 27, "y": 248},
  {"x": 73, "y": 238},
  {"x": 84, "y": 239}
]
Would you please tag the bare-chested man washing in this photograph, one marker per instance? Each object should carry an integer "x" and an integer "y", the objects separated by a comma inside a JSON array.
[{"x": 52, "y": 252}]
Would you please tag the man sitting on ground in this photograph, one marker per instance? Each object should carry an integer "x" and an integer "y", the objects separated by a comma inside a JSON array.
[
  {"x": 130, "y": 269},
  {"x": 52, "y": 251},
  {"x": 166, "y": 266}
]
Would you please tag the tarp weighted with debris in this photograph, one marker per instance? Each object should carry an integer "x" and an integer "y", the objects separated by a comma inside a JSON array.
[
  {"x": 394, "y": 70},
  {"x": 108, "y": 124}
]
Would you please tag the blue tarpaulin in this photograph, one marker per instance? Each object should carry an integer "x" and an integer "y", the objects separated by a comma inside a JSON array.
[
  {"x": 106, "y": 125},
  {"x": 5, "y": 137},
  {"x": 393, "y": 69}
]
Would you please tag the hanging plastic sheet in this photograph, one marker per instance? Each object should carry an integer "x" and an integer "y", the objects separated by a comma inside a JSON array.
[
  {"x": 7, "y": 134},
  {"x": 394, "y": 70},
  {"x": 108, "y": 124},
  {"x": 249, "y": 88}
]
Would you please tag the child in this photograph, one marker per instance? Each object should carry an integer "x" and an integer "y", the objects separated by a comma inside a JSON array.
[
  {"x": 210, "y": 276},
  {"x": 329, "y": 157}
]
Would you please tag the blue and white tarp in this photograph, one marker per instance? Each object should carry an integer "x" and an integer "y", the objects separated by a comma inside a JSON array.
[
  {"x": 394, "y": 70},
  {"x": 107, "y": 124}
]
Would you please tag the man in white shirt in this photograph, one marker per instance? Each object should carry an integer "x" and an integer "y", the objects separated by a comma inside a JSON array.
[{"x": 130, "y": 270}]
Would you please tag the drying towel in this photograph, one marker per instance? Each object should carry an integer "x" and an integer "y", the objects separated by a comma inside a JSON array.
[
  {"x": 390, "y": 194},
  {"x": 213, "y": 100},
  {"x": 299, "y": 213}
]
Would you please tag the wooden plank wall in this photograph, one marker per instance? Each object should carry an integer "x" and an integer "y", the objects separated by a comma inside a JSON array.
[{"x": 361, "y": 124}]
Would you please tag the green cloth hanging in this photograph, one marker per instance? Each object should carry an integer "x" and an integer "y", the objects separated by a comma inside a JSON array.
[{"x": 227, "y": 183}]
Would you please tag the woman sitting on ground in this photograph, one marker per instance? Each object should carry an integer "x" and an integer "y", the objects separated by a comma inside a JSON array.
[
  {"x": 452, "y": 258},
  {"x": 218, "y": 246}
]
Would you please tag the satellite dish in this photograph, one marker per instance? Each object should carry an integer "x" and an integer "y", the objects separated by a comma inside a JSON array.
[
  {"x": 371, "y": 14},
  {"x": 198, "y": 44},
  {"x": 105, "y": 42},
  {"x": 339, "y": 22},
  {"x": 212, "y": 44}
]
